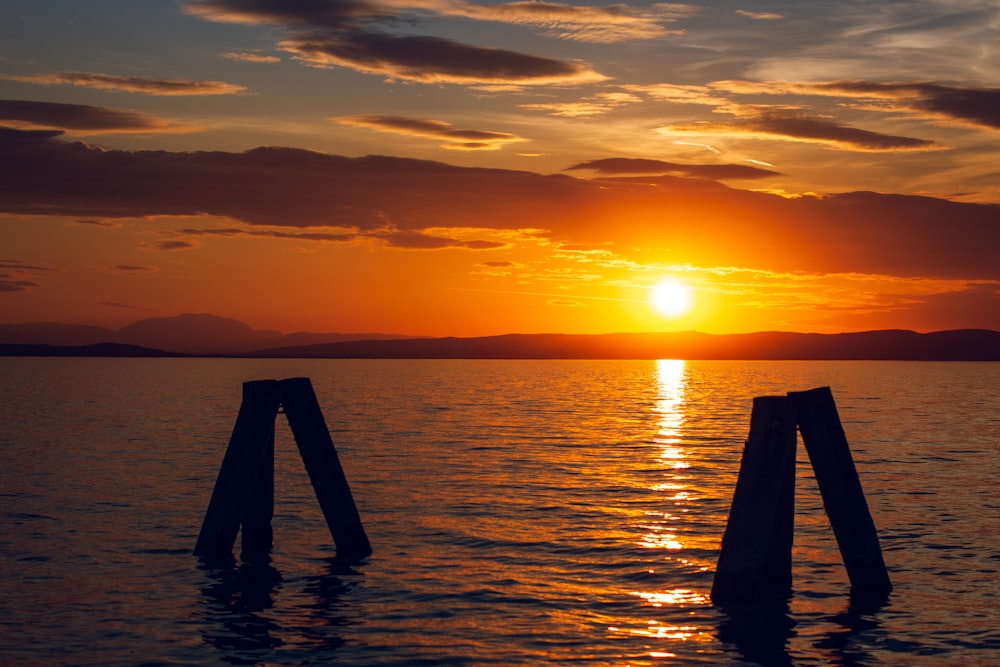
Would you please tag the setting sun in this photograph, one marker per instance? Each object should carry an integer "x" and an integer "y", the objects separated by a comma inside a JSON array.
[{"x": 671, "y": 298}]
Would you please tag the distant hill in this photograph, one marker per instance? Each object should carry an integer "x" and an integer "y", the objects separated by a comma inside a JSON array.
[
  {"x": 960, "y": 345},
  {"x": 190, "y": 333},
  {"x": 198, "y": 335},
  {"x": 96, "y": 350}
]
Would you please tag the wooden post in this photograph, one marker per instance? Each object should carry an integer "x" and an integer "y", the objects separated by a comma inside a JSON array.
[
  {"x": 248, "y": 445},
  {"x": 756, "y": 556},
  {"x": 257, "y": 538},
  {"x": 327, "y": 476},
  {"x": 840, "y": 487}
]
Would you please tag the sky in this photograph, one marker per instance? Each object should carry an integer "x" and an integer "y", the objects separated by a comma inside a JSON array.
[{"x": 460, "y": 168}]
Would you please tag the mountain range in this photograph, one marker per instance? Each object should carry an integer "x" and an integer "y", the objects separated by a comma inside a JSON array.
[{"x": 210, "y": 335}]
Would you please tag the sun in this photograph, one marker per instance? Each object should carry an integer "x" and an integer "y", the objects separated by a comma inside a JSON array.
[{"x": 671, "y": 298}]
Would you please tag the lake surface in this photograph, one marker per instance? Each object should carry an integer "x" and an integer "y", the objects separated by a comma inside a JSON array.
[{"x": 520, "y": 512}]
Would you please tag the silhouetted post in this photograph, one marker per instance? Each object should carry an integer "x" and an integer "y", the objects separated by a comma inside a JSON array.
[
  {"x": 843, "y": 498},
  {"x": 248, "y": 445},
  {"x": 756, "y": 556},
  {"x": 327, "y": 476},
  {"x": 256, "y": 536}
]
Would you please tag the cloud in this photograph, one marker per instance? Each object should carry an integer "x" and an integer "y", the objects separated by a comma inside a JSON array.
[
  {"x": 760, "y": 16},
  {"x": 133, "y": 269},
  {"x": 131, "y": 84},
  {"x": 436, "y": 60},
  {"x": 14, "y": 275},
  {"x": 978, "y": 107},
  {"x": 795, "y": 126},
  {"x": 589, "y": 106},
  {"x": 169, "y": 245},
  {"x": 82, "y": 118},
  {"x": 424, "y": 204},
  {"x": 641, "y": 166},
  {"x": 410, "y": 239},
  {"x": 250, "y": 57},
  {"x": 594, "y": 24},
  {"x": 8, "y": 284},
  {"x": 433, "y": 129},
  {"x": 353, "y": 34}
]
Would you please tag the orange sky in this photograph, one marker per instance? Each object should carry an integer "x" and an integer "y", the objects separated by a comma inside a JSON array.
[{"x": 542, "y": 168}]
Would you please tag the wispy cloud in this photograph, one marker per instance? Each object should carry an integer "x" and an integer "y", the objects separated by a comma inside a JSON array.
[
  {"x": 250, "y": 57},
  {"x": 18, "y": 276},
  {"x": 978, "y": 107},
  {"x": 83, "y": 118},
  {"x": 592, "y": 105},
  {"x": 392, "y": 237},
  {"x": 596, "y": 24},
  {"x": 644, "y": 166},
  {"x": 133, "y": 269},
  {"x": 131, "y": 84},
  {"x": 454, "y": 139},
  {"x": 357, "y": 35},
  {"x": 169, "y": 245},
  {"x": 760, "y": 16},
  {"x": 794, "y": 126}
]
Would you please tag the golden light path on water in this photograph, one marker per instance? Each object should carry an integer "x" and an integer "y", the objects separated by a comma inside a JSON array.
[{"x": 659, "y": 525}]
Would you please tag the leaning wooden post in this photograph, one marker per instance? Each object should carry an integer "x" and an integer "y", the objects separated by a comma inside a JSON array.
[
  {"x": 256, "y": 536},
  {"x": 756, "y": 556},
  {"x": 840, "y": 487},
  {"x": 325, "y": 472},
  {"x": 248, "y": 445}
]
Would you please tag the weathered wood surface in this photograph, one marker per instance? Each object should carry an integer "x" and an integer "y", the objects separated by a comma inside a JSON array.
[
  {"x": 840, "y": 487},
  {"x": 325, "y": 472},
  {"x": 756, "y": 556},
  {"x": 253, "y": 431}
]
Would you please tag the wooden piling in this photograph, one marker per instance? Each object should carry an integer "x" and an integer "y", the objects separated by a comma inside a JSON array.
[
  {"x": 256, "y": 536},
  {"x": 840, "y": 487},
  {"x": 244, "y": 490},
  {"x": 325, "y": 472},
  {"x": 248, "y": 445},
  {"x": 756, "y": 557}
]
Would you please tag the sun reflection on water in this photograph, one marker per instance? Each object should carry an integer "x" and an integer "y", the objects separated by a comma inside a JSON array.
[{"x": 663, "y": 527}]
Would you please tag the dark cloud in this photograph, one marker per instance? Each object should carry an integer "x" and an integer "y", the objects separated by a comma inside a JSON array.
[
  {"x": 14, "y": 275},
  {"x": 972, "y": 106},
  {"x": 132, "y": 84},
  {"x": 133, "y": 269},
  {"x": 640, "y": 166},
  {"x": 78, "y": 117},
  {"x": 355, "y": 34},
  {"x": 433, "y": 129},
  {"x": 399, "y": 200},
  {"x": 17, "y": 265},
  {"x": 8, "y": 284},
  {"x": 802, "y": 127},
  {"x": 169, "y": 245}
]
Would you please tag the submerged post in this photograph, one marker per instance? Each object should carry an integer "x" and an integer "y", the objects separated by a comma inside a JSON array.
[
  {"x": 327, "y": 476},
  {"x": 840, "y": 487},
  {"x": 247, "y": 449},
  {"x": 244, "y": 490},
  {"x": 756, "y": 556},
  {"x": 755, "y": 559}
]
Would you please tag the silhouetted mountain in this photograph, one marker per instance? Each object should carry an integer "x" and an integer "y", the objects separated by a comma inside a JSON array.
[
  {"x": 196, "y": 334},
  {"x": 190, "y": 333},
  {"x": 211, "y": 335},
  {"x": 960, "y": 345}
]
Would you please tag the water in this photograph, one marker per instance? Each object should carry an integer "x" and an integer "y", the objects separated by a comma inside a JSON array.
[{"x": 521, "y": 513}]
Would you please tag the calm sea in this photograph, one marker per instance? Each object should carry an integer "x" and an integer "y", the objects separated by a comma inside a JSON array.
[{"x": 521, "y": 513}]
